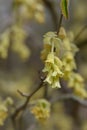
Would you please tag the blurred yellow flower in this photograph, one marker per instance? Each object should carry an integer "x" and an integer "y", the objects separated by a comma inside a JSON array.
[
  {"x": 3, "y": 113},
  {"x": 4, "y": 44},
  {"x": 41, "y": 110},
  {"x": 30, "y": 9},
  {"x": 4, "y": 109},
  {"x": 76, "y": 82},
  {"x": 68, "y": 64}
]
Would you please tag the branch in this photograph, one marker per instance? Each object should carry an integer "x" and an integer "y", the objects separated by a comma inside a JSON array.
[
  {"x": 60, "y": 22},
  {"x": 82, "y": 43},
  {"x": 80, "y": 32},
  {"x": 28, "y": 97},
  {"x": 45, "y": 94},
  {"x": 22, "y": 94},
  {"x": 70, "y": 96}
]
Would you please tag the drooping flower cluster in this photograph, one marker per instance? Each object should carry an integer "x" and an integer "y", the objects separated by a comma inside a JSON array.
[
  {"x": 77, "y": 83},
  {"x": 53, "y": 65},
  {"x": 58, "y": 56},
  {"x": 19, "y": 46},
  {"x": 41, "y": 109},
  {"x": 14, "y": 37},
  {"x": 30, "y": 9},
  {"x": 4, "y": 44},
  {"x": 4, "y": 109},
  {"x": 3, "y": 114},
  {"x": 68, "y": 57},
  {"x": 69, "y": 64}
]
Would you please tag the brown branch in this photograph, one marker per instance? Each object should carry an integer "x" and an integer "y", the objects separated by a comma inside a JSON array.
[
  {"x": 45, "y": 94},
  {"x": 63, "y": 97},
  {"x": 22, "y": 94},
  {"x": 80, "y": 32},
  {"x": 60, "y": 22},
  {"x": 28, "y": 97},
  {"x": 82, "y": 43}
]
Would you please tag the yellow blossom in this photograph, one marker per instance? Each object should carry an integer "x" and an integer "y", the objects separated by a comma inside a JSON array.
[
  {"x": 53, "y": 68},
  {"x": 3, "y": 111},
  {"x": 68, "y": 64},
  {"x": 18, "y": 45},
  {"x": 4, "y": 44},
  {"x": 62, "y": 33},
  {"x": 45, "y": 51},
  {"x": 76, "y": 82},
  {"x": 69, "y": 46},
  {"x": 81, "y": 92},
  {"x": 51, "y": 39},
  {"x": 3, "y": 114},
  {"x": 30, "y": 9},
  {"x": 41, "y": 110}
]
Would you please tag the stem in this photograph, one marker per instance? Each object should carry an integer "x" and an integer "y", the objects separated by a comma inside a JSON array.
[
  {"x": 46, "y": 92},
  {"x": 23, "y": 106},
  {"x": 60, "y": 22},
  {"x": 64, "y": 97},
  {"x": 80, "y": 32}
]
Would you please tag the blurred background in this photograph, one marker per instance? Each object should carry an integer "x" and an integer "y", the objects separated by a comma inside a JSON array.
[{"x": 21, "y": 72}]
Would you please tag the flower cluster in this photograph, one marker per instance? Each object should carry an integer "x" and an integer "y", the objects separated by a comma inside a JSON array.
[
  {"x": 77, "y": 83},
  {"x": 3, "y": 114},
  {"x": 30, "y": 9},
  {"x": 69, "y": 64},
  {"x": 58, "y": 56},
  {"x": 68, "y": 57},
  {"x": 14, "y": 37},
  {"x": 41, "y": 109},
  {"x": 53, "y": 65},
  {"x": 4, "y": 44},
  {"x": 19, "y": 46},
  {"x": 4, "y": 109}
]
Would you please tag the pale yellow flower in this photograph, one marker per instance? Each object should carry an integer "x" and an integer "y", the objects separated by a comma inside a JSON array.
[
  {"x": 4, "y": 44},
  {"x": 3, "y": 114},
  {"x": 4, "y": 109},
  {"x": 41, "y": 110},
  {"x": 62, "y": 33},
  {"x": 53, "y": 68},
  {"x": 69, "y": 46},
  {"x": 68, "y": 64},
  {"x": 76, "y": 82},
  {"x": 45, "y": 51},
  {"x": 30, "y": 9},
  {"x": 81, "y": 92}
]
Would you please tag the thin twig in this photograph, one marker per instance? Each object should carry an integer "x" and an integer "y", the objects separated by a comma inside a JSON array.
[
  {"x": 80, "y": 32},
  {"x": 22, "y": 94},
  {"x": 23, "y": 106},
  {"x": 82, "y": 43},
  {"x": 45, "y": 95},
  {"x": 81, "y": 101},
  {"x": 60, "y": 22}
]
